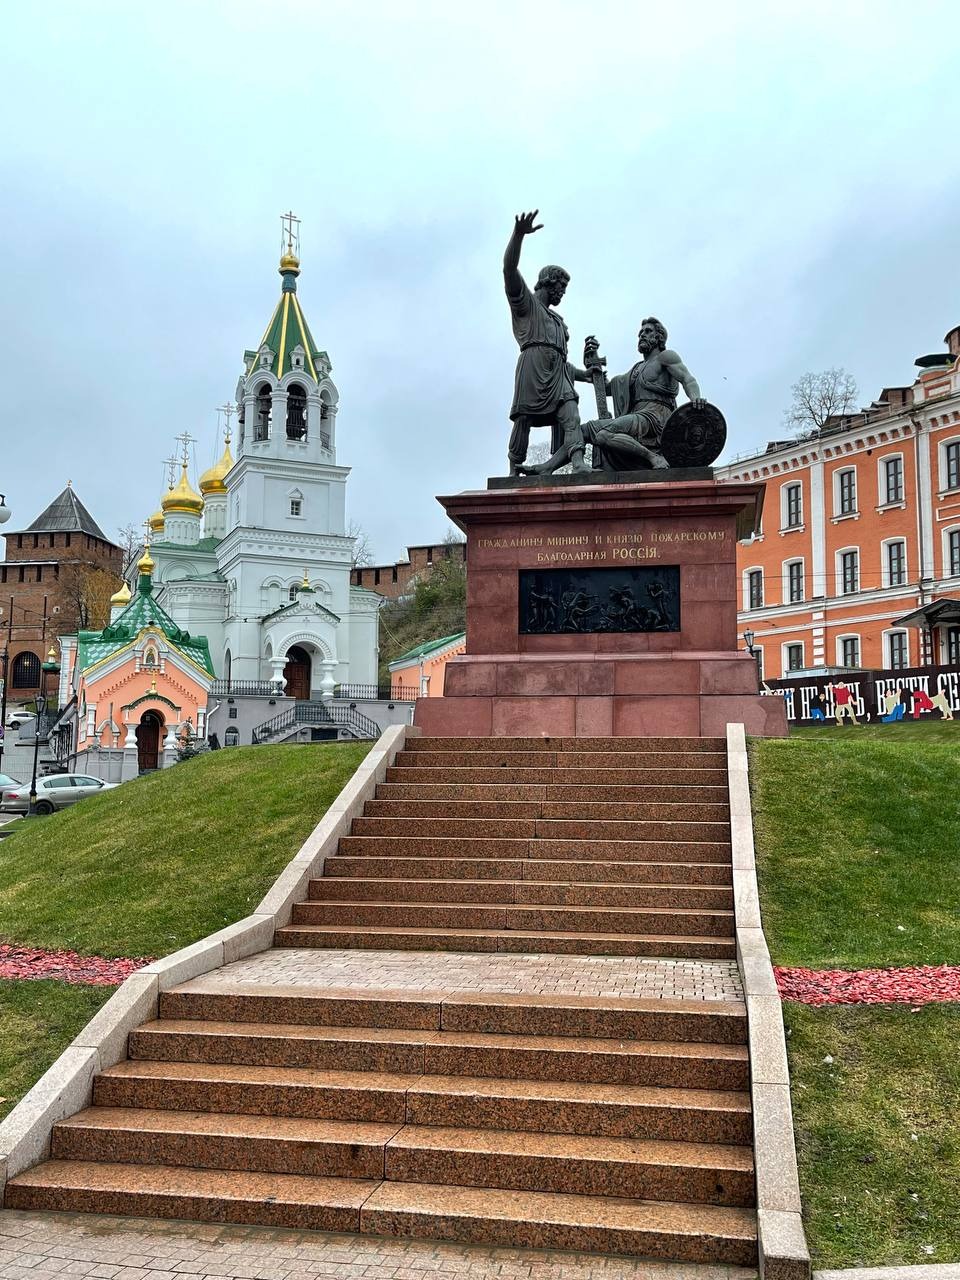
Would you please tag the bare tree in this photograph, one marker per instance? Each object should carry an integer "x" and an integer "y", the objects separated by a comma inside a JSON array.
[
  {"x": 818, "y": 397},
  {"x": 362, "y": 552},
  {"x": 83, "y": 593},
  {"x": 131, "y": 543}
]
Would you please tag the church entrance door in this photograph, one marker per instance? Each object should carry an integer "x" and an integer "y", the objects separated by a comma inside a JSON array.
[
  {"x": 297, "y": 674},
  {"x": 148, "y": 741}
]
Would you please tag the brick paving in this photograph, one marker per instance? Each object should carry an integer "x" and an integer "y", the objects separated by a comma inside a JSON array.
[
  {"x": 632, "y": 977},
  {"x": 41, "y": 1246}
]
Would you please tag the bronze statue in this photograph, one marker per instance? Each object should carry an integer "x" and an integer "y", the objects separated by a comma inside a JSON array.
[
  {"x": 544, "y": 394},
  {"x": 643, "y": 399}
]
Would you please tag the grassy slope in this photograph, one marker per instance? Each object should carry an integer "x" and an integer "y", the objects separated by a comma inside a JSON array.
[
  {"x": 856, "y": 834},
  {"x": 857, "y": 845},
  {"x": 168, "y": 858},
  {"x": 37, "y": 1022}
]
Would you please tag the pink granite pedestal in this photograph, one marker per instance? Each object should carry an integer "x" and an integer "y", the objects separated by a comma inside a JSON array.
[{"x": 690, "y": 682}]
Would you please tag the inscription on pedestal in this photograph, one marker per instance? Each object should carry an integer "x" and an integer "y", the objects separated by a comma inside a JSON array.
[{"x": 626, "y": 599}]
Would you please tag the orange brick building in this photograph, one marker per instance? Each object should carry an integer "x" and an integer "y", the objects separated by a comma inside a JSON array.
[{"x": 861, "y": 526}]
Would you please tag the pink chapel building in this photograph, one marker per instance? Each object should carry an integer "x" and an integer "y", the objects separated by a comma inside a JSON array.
[{"x": 135, "y": 691}]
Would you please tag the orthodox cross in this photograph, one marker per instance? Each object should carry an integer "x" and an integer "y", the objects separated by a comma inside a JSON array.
[
  {"x": 171, "y": 464},
  {"x": 185, "y": 441},
  {"x": 146, "y": 537},
  {"x": 290, "y": 236},
  {"x": 228, "y": 410}
]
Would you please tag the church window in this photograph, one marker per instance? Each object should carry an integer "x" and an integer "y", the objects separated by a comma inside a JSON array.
[
  {"x": 231, "y": 737},
  {"x": 296, "y": 412},
  {"x": 294, "y": 591},
  {"x": 296, "y": 506},
  {"x": 264, "y": 407},
  {"x": 26, "y": 671},
  {"x": 232, "y": 713}
]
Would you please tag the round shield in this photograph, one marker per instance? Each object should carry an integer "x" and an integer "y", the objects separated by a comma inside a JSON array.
[{"x": 693, "y": 437}]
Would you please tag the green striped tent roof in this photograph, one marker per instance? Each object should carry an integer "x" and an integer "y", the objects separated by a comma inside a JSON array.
[
  {"x": 142, "y": 612},
  {"x": 287, "y": 329}
]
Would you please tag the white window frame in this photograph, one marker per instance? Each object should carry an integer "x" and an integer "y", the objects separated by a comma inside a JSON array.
[
  {"x": 759, "y": 659},
  {"x": 849, "y": 635},
  {"x": 298, "y": 514},
  {"x": 747, "y": 606},
  {"x": 838, "y": 514},
  {"x": 945, "y": 536},
  {"x": 885, "y": 562},
  {"x": 786, "y": 527},
  {"x": 787, "y": 598},
  {"x": 785, "y": 657},
  {"x": 882, "y": 499},
  {"x": 838, "y": 569},
  {"x": 888, "y": 648},
  {"x": 942, "y": 451}
]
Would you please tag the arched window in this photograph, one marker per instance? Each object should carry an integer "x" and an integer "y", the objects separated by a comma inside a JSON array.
[
  {"x": 294, "y": 591},
  {"x": 324, "y": 420},
  {"x": 231, "y": 737},
  {"x": 26, "y": 671},
  {"x": 296, "y": 412},
  {"x": 264, "y": 409},
  {"x": 227, "y": 667}
]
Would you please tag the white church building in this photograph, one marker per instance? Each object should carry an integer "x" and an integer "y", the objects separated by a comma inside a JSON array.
[{"x": 259, "y": 560}]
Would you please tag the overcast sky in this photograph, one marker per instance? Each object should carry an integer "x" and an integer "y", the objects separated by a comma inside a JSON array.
[{"x": 779, "y": 183}]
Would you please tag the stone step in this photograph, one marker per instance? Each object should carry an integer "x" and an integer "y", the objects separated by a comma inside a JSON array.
[
  {"x": 636, "y": 793},
  {"x": 595, "y": 1224},
  {"x": 546, "y": 828},
  {"x": 205, "y": 1195},
  {"x": 151, "y": 1093},
  {"x": 707, "y": 873},
  {"x": 719, "y": 1021},
  {"x": 685, "y": 1232},
  {"x": 703, "y": 922},
  {"x": 539, "y": 849},
  {"x": 690, "y": 1069},
  {"x": 572, "y": 1165},
  {"x": 580, "y": 810},
  {"x": 643, "y": 745},
  {"x": 522, "y": 892},
  {"x": 560, "y": 761},
  {"x": 591, "y": 777},
  {"x": 525, "y": 941},
  {"x": 217, "y": 1140}
]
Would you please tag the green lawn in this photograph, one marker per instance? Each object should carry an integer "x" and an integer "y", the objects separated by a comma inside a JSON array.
[
  {"x": 168, "y": 858},
  {"x": 37, "y": 1022},
  {"x": 857, "y": 845},
  {"x": 878, "y": 1131},
  {"x": 857, "y": 855}
]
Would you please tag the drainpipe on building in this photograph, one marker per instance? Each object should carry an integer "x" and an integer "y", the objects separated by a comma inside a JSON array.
[{"x": 924, "y": 521}]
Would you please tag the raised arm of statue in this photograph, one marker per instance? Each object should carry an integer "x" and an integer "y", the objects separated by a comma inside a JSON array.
[
  {"x": 683, "y": 376},
  {"x": 523, "y": 225}
]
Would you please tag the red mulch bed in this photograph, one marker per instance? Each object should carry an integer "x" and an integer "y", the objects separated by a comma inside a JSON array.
[
  {"x": 921, "y": 985},
  {"x": 66, "y": 966}
]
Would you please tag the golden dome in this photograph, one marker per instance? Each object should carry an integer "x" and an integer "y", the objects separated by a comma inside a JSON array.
[
  {"x": 290, "y": 262},
  {"x": 122, "y": 597},
  {"x": 183, "y": 499},
  {"x": 156, "y": 521},
  {"x": 212, "y": 480},
  {"x": 145, "y": 565}
]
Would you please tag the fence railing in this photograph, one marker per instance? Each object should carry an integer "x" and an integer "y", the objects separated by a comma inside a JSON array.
[
  {"x": 258, "y": 688},
  {"x": 376, "y": 692},
  {"x": 316, "y": 713}
]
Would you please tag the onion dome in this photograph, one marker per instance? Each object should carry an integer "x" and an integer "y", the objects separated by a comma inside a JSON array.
[
  {"x": 146, "y": 564},
  {"x": 213, "y": 479},
  {"x": 183, "y": 499},
  {"x": 156, "y": 521},
  {"x": 120, "y": 599},
  {"x": 305, "y": 588}
]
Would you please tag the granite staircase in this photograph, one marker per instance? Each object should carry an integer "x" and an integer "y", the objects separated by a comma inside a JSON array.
[{"x": 597, "y": 1123}]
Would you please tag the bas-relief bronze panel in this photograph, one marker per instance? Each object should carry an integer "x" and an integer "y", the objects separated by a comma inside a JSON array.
[{"x": 585, "y": 601}]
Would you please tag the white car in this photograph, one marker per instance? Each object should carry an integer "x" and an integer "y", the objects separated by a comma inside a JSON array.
[
  {"x": 54, "y": 792},
  {"x": 16, "y": 719}
]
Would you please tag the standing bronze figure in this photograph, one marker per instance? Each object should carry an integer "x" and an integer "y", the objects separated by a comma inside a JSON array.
[{"x": 544, "y": 394}]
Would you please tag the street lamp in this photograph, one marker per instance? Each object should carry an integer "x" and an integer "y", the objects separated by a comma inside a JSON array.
[
  {"x": 51, "y": 664},
  {"x": 5, "y": 511},
  {"x": 748, "y": 639}
]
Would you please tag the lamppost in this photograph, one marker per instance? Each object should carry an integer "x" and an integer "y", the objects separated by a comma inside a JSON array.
[
  {"x": 754, "y": 652},
  {"x": 51, "y": 664}
]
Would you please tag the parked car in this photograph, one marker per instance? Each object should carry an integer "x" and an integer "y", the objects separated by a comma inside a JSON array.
[
  {"x": 7, "y": 783},
  {"x": 55, "y": 792},
  {"x": 17, "y": 719}
]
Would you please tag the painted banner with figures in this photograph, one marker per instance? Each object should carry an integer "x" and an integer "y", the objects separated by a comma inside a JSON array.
[{"x": 877, "y": 697}]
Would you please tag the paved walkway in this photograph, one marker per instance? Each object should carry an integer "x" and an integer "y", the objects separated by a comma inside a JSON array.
[
  {"x": 41, "y": 1246},
  {"x": 631, "y": 977}
]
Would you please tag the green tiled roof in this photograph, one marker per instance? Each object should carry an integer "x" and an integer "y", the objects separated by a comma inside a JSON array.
[
  {"x": 286, "y": 330},
  {"x": 142, "y": 612},
  {"x": 424, "y": 650}
]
